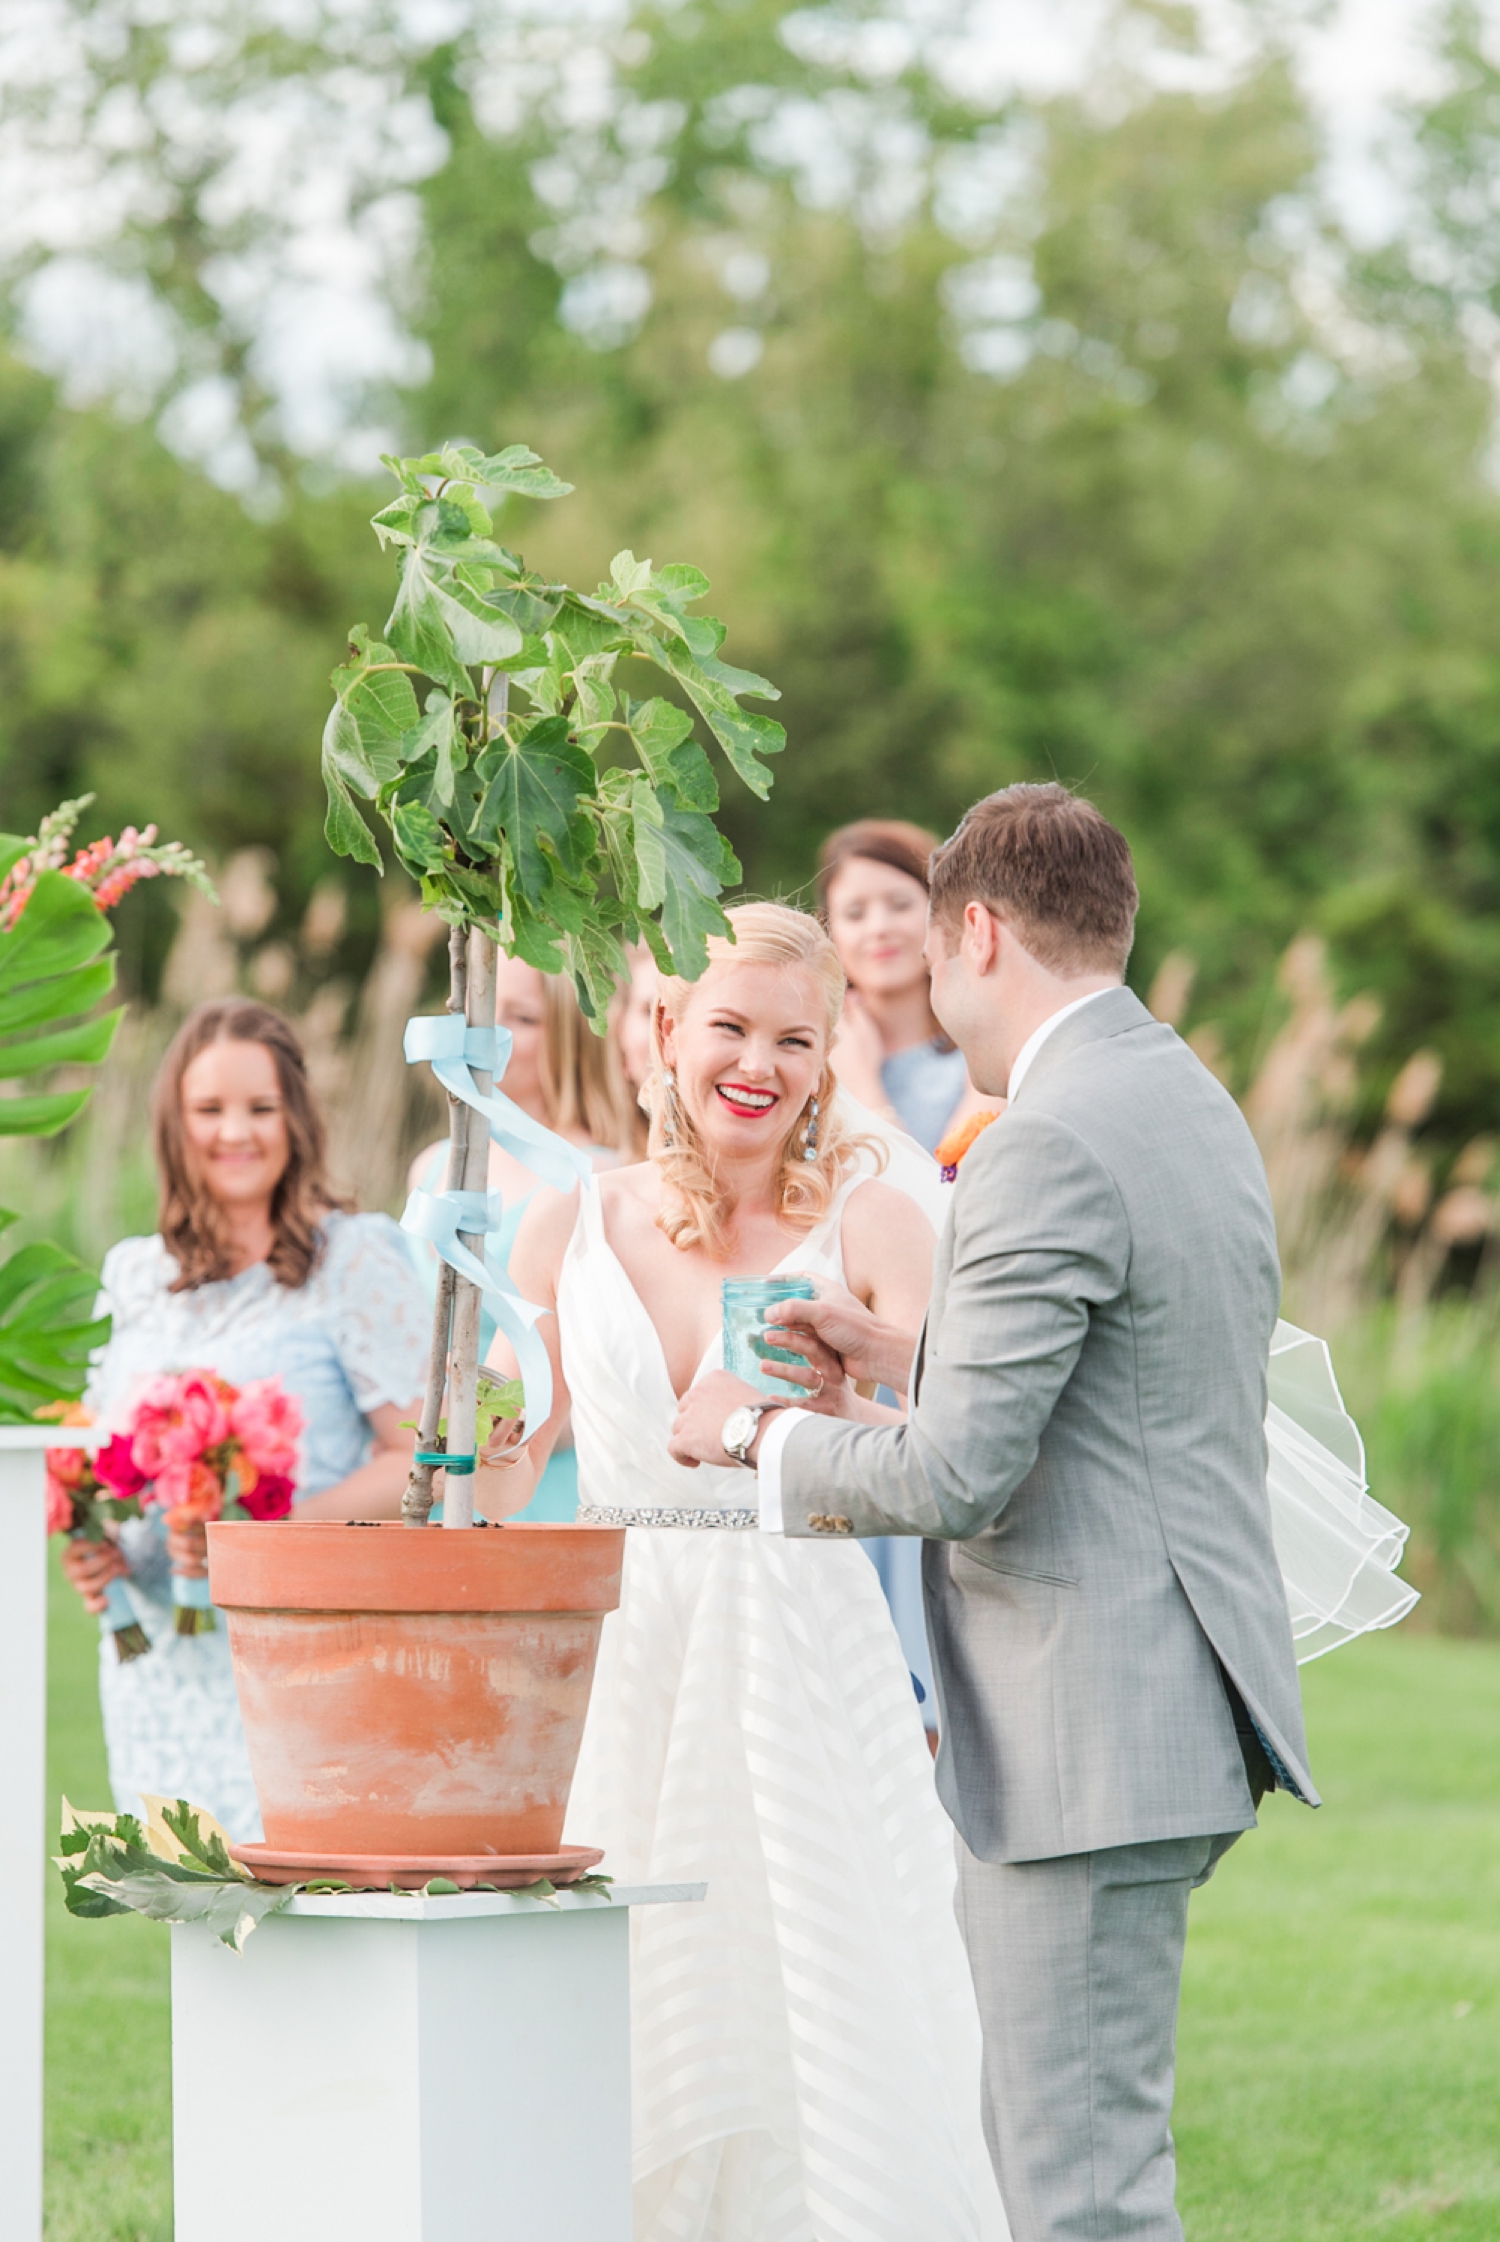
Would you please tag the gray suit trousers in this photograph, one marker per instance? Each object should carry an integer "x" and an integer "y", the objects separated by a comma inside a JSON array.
[{"x": 1077, "y": 1963}]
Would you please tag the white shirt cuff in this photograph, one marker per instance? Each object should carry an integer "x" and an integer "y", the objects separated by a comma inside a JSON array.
[{"x": 768, "y": 1466}]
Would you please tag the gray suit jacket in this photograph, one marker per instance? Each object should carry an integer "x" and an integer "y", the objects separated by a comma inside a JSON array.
[{"x": 1086, "y": 1457}]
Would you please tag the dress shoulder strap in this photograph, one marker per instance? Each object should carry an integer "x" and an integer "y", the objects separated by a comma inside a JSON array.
[
  {"x": 824, "y": 1237},
  {"x": 588, "y": 1229}
]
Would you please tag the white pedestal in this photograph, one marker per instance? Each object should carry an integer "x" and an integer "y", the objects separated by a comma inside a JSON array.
[
  {"x": 23, "y": 1814},
  {"x": 393, "y": 2068}
]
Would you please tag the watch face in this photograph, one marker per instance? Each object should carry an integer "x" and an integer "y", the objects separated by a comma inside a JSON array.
[{"x": 739, "y": 1430}]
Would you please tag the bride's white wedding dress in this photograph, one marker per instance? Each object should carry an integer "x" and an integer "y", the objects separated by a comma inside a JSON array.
[{"x": 805, "y": 2041}]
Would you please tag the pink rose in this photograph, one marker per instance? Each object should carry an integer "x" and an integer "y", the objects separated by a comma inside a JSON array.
[
  {"x": 193, "y": 1492},
  {"x": 267, "y": 1423},
  {"x": 59, "y": 1506},
  {"x": 115, "y": 1468},
  {"x": 176, "y": 1419},
  {"x": 70, "y": 1467},
  {"x": 170, "y": 1487},
  {"x": 270, "y": 1497}
]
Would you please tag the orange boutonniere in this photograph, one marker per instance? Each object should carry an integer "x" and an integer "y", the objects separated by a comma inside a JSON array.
[{"x": 957, "y": 1142}]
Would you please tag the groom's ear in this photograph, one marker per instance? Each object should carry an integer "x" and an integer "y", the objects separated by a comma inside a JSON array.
[{"x": 983, "y": 938}]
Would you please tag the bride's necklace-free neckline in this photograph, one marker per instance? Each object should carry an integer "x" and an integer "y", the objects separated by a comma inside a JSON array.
[{"x": 811, "y": 1245}]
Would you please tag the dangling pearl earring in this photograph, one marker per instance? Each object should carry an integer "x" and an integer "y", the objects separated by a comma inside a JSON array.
[
  {"x": 669, "y": 1107},
  {"x": 810, "y": 1145}
]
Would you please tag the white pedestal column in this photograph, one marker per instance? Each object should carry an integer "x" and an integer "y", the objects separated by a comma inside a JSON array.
[
  {"x": 394, "y": 2068},
  {"x": 23, "y": 1814}
]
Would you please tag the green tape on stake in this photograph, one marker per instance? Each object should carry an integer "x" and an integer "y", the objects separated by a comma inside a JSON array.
[{"x": 458, "y": 1465}]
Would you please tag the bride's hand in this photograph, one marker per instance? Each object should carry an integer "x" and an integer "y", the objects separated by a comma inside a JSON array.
[
  {"x": 498, "y": 1451},
  {"x": 505, "y": 1485}
]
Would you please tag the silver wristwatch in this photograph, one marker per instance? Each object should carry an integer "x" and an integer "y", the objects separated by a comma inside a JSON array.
[{"x": 740, "y": 1427}]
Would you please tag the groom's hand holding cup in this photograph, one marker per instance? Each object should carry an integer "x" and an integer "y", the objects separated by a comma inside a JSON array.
[
  {"x": 837, "y": 1341},
  {"x": 840, "y": 1339}
]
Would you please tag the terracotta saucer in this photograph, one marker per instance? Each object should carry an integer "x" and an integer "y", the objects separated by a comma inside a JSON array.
[{"x": 410, "y": 1872}]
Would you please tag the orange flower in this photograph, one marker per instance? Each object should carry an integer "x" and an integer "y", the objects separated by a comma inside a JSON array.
[
  {"x": 957, "y": 1142},
  {"x": 191, "y": 1494}
]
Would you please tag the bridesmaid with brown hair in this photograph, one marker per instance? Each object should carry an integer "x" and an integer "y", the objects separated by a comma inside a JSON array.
[{"x": 258, "y": 1270}]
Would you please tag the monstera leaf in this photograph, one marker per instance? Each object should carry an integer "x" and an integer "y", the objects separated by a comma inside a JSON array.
[
  {"x": 48, "y": 1328},
  {"x": 52, "y": 972},
  {"x": 55, "y": 967}
]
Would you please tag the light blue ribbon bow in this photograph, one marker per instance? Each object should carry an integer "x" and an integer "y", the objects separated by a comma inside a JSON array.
[
  {"x": 439, "y": 1216},
  {"x": 452, "y": 1048}
]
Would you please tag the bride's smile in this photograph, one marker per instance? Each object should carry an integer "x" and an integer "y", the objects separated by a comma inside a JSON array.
[{"x": 740, "y": 1098}]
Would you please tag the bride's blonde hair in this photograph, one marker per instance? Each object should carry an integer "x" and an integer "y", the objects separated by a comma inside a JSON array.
[{"x": 693, "y": 1209}]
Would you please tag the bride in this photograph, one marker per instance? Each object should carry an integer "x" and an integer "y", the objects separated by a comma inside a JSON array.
[{"x": 805, "y": 2041}]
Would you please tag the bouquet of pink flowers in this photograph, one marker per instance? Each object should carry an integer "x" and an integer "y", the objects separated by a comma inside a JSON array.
[
  {"x": 80, "y": 1505},
  {"x": 197, "y": 1448}
]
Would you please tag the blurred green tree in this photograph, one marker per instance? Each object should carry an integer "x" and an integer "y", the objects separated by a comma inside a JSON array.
[{"x": 1074, "y": 438}]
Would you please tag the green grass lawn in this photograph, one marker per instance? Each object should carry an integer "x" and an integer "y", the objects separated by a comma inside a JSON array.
[
  {"x": 109, "y": 2109},
  {"x": 1339, "y": 2057},
  {"x": 1340, "y": 2052}
]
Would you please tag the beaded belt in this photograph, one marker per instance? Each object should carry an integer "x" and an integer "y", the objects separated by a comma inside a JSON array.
[{"x": 608, "y": 1515}]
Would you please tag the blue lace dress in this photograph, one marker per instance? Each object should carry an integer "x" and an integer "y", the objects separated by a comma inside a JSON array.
[{"x": 352, "y": 1338}]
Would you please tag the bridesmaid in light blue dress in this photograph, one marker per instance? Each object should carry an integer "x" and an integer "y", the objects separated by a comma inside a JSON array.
[
  {"x": 892, "y": 1056},
  {"x": 256, "y": 1273}
]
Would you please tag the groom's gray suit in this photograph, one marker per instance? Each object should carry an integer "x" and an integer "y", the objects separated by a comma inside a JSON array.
[{"x": 1086, "y": 1456}]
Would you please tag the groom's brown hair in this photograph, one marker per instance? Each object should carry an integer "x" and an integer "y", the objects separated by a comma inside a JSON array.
[{"x": 1049, "y": 863}]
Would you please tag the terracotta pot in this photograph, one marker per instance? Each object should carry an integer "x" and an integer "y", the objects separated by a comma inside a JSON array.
[{"x": 416, "y": 1692}]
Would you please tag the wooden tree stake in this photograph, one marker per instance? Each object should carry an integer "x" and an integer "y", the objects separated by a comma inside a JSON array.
[
  {"x": 463, "y": 1359},
  {"x": 416, "y": 1503}
]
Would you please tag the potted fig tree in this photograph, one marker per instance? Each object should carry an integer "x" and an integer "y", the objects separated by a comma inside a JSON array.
[{"x": 415, "y": 1701}]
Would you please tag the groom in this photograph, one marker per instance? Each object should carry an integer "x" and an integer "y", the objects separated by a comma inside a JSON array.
[{"x": 1085, "y": 1459}]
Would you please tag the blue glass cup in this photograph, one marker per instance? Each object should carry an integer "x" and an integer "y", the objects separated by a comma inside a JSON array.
[{"x": 746, "y": 1350}]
